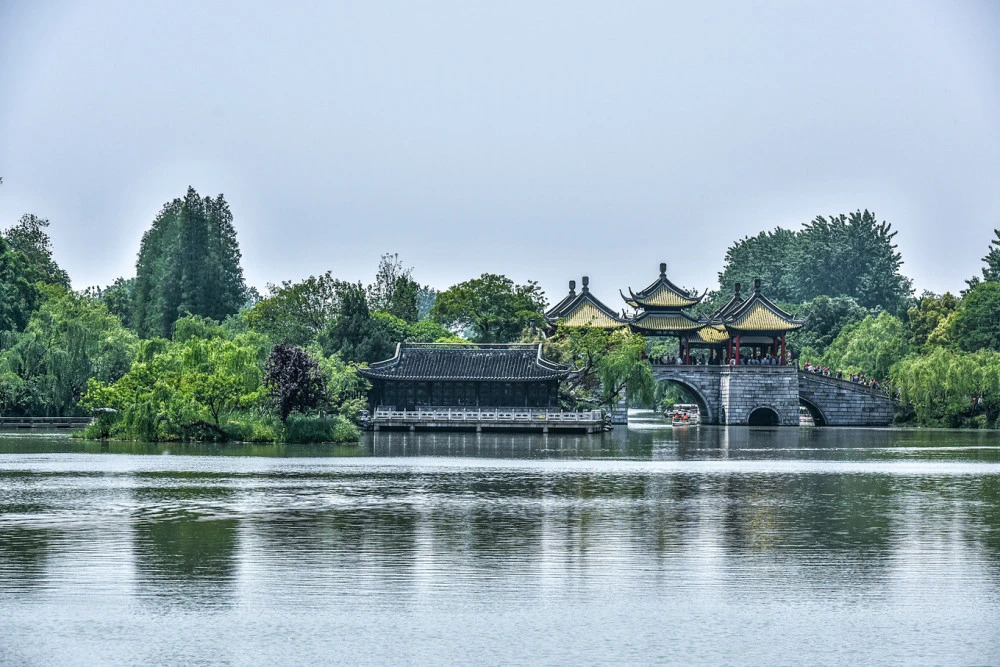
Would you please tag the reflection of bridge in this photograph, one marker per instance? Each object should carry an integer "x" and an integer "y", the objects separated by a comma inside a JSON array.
[{"x": 771, "y": 395}]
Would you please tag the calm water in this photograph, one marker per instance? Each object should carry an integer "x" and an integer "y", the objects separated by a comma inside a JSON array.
[{"x": 760, "y": 546}]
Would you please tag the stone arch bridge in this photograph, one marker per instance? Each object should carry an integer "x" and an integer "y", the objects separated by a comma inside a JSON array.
[{"x": 771, "y": 395}]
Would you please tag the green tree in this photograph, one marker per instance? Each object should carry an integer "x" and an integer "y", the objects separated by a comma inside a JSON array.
[
  {"x": 825, "y": 318},
  {"x": 355, "y": 334},
  {"x": 846, "y": 255},
  {"x": 991, "y": 272},
  {"x": 426, "y": 296},
  {"x": 607, "y": 366},
  {"x": 185, "y": 388},
  {"x": 768, "y": 256},
  {"x": 428, "y": 331},
  {"x": 189, "y": 262},
  {"x": 976, "y": 323},
  {"x": 70, "y": 339},
  {"x": 929, "y": 314},
  {"x": 296, "y": 313},
  {"x": 29, "y": 237},
  {"x": 951, "y": 388},
  {"x": 869, "y": 347},
  {"x": 492, "y": 307},
  {"x": 19, "y": 296},
  {"x": 394, "y": 290},
  {"x": 851, "y": 255}
]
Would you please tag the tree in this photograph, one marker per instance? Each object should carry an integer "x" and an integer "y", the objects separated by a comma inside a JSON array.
[
  {"x": 492, "y": 307},
  {"x": 846, "y": 255},
  {"x": 28, "y": 237},
  {"x": 394, "y": 290},
  {"x": 928, "y": 315},
  {"x": 767, "y": 256},
  {"x": 70, "y": 339},
  {"x": 294, "y": 380},
  {"x": 950, "y": 388},
  {"x": 116, "y": 297},
  {"x": 976, "y": 323},
  {"x": 991, "y": 272},
  {"x": 606, "y": 364},
  {"x": 426, "y": 296},
  {"x": 296, "y": 313},
  {"x": 19, "y": 296},
  {"x": 428, "y": 331},
  {"x": 189, "y": 262},
  {"x": 825, "y": 318},
  {"x": 355, "y": 334},
  {"x": 869, "y": 347},
  {"x": 184, "y": 388},
  {"x": 851, "y": 255}
]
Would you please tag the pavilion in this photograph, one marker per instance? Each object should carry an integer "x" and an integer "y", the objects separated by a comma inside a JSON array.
[{"x": 743, "y": 328}]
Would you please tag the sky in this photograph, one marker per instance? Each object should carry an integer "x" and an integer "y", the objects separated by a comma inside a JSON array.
[{"x": 544, "y": 141}]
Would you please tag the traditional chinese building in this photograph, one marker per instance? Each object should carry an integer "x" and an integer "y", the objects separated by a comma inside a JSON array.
[
  {"x": 742, "y": 329},
  {"x": 466, "y": 375},
  {"x": 660, "y": 311},
  {"x": 584, "y": 310},
  {"x": 756, "y": 326}
]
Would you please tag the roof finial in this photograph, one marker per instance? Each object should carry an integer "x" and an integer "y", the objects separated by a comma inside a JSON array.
[
  {"x": 572, "y": 288},
  {"x": 736, "y": 289},
  {"x": 586, "y": 284},
  {"x": 663, "y": 269},
  {"x": 756, "y": 284}
]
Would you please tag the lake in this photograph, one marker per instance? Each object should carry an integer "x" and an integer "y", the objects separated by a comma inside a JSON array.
[{"x": 644, "y": 545}]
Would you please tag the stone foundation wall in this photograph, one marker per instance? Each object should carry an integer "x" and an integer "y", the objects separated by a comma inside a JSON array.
[{"x": 743, "y": 389}]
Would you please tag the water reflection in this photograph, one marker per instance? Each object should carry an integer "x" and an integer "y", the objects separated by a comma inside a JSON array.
[{"x": 618, "y": 547}]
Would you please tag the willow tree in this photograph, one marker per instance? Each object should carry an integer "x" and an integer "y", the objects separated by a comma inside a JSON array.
[{"x": 189, "y": 262}]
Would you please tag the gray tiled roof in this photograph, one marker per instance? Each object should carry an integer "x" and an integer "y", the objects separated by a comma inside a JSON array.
[{"x": 515, "y": 362}]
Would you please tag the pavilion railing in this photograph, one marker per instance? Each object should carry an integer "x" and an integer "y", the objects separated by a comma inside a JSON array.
[{"x": 522, "y": 415}]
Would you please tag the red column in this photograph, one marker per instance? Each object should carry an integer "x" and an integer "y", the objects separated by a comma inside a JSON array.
[
  {"x": 738, "y": 360},
  {"x": 729, "y": 349},
  {"x": 687, "y": 351},
  {"x": 782, "y": 349}
]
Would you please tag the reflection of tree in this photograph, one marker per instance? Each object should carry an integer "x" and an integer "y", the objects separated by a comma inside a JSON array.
[
  {"x": 24, "y": 553},
  {"x": 986, "y": 513},
  {"x": 178, "y": 551},
  {"x": 810, "y": 513}
]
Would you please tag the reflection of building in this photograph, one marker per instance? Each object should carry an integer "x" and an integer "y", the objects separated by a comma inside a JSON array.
[{"x": 742, "y": 330}]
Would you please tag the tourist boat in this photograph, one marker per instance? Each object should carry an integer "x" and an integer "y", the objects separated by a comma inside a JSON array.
[{"x": 685, "y": 414}]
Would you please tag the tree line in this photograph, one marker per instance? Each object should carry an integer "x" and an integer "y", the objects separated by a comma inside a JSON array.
[{"x": 185, "y": 349}]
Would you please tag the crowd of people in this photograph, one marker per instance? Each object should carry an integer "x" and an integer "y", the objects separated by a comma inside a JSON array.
[{"x": 839, "y": 374}]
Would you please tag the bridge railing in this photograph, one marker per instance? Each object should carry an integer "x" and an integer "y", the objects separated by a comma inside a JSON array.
[
  {"x": 522, "y": 415},
  {"x": 857, "y": 386}
]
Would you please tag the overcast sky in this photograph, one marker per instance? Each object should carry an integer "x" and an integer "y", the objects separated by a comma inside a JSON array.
[{"x": 543, "y": 140}]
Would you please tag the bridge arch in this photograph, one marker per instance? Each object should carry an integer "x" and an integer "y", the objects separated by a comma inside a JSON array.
[
  {"x": 818, "y": 417},
  {"x": 704, "y": 405},
  {"x": 763, "y": 415}
]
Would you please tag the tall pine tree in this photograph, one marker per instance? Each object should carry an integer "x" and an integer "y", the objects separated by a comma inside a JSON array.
[{"x": 189, "y": 262}]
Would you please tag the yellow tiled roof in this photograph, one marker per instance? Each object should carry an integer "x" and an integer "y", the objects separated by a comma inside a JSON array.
[
  {"x": 588, "y": 315},
  {"x": 759, "y": 317},
  {"x": 664, "y": 297},
  {"x": 652, "y": 321},
  {"x": 712, "y": 333}
]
